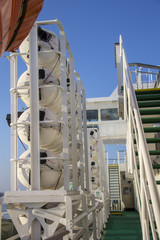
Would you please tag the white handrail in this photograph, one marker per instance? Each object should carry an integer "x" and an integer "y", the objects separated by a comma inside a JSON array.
[{"x": 146, "y": 173}]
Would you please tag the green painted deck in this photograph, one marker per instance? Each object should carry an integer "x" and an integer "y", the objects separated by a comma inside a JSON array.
[{"x": 123, "y": 227}]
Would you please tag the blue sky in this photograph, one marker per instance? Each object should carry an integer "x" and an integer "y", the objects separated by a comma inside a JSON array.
[{"x": 92, "y": 27}]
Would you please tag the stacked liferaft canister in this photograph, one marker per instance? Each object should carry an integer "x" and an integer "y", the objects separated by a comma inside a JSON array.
[
  {"x": 50, "y": 112},
  {"x": 93, "y": 139},
  {"x": 53, "y": 168}
]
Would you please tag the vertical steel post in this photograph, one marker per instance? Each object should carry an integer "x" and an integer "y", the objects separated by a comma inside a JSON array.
[
  {"x": 34, "y": 111},
  {"x": 100, "y": 163},
  {"x": 85, "y": 140},
  {"x": 85, "y": 219},
  {"x": 94, "y": 217},
  {"x": 89, "y": 161},
  {"x": 80, "y": 129},
  {"x": 144, "y": 213},
  {"x": 73, "y": 124},
  {"x": 34, "y": 123},
  {"x": 14, "y": 155},
  {"x": 64, "y": 110}
]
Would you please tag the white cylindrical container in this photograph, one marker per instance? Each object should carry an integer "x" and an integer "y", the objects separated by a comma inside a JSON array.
[
  {"x": 50, "y": 130},
  {"x": 93, "y": 154},
  {"x": 93, "y": 138},
  {"x": 95, "y": 183},
  {"x": 47, "y": 41},
  {"x": 94, "y": 169},
  {"x": 50, "y": 93},
  {"x": 51, "y": 170}
]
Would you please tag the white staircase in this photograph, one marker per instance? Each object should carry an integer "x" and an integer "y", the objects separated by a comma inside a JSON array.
[{"x": 114, "y": 187}]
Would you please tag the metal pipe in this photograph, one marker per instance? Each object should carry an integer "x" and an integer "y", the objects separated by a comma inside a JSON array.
[
  {"x": 65, "y": 154},
  {"x": 80, "y": 129},
  {"x": 86, "y": 146},
  {"x": 73, "y": 124},
  {"x": 144, "y": 65},
  {"x": 34, "y": 111},
  {"x": 34, "y": 123},
  {"x": 14, "y": 145}
]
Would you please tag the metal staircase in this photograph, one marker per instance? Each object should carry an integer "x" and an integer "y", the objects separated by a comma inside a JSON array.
[
  {"x": 142, "y": 114},
  {"x": 149, "y": 108},
  {"x": 114, "y": 187}
]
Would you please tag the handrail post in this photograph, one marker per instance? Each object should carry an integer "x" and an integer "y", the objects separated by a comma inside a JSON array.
[{"x": 144, "y": 213}]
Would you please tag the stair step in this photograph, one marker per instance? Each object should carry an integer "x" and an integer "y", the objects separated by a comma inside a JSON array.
[
  {"x": 114, "y": 176},
  {"x": 114, "y": 198},
  {"x": 152, "y": 152},
  {"x": 151, "y": 120},
  {"x": 113, "y": 165},
  {"x": 151, "y": 129},
  {"x": 147, "y": 91},
  {"x": 114, "y": 180},
  {"x": 147, "y": 97},
  {"x": 149, "y": 111},
  {"x": 150, "y": 140},
  {"x": 117, "y": 195},
  {"x": 148, "y": 104},
  {"x": 114, "y": 187},
  {"x": 113, "y": 170},
  {"x": 114, "y": 192}
]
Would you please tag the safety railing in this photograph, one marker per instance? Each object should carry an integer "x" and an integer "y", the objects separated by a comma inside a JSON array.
[
  {"x": 145, "y": 184},
  {"x": 144, "y": 75}
]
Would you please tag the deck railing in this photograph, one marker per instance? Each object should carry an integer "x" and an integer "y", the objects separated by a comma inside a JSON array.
[{"x": 144, "y": 75}]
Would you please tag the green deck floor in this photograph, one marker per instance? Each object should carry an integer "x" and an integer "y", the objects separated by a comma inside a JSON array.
[{"x": 124, "y": 227}]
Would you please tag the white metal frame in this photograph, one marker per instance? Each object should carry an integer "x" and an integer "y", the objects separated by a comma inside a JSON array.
[
  {"x": 34, "y": 199},
  {"x": 101, "y": 193}
]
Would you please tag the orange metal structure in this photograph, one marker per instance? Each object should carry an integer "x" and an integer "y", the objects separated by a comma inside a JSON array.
[{"x": 16, "y": 20}]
